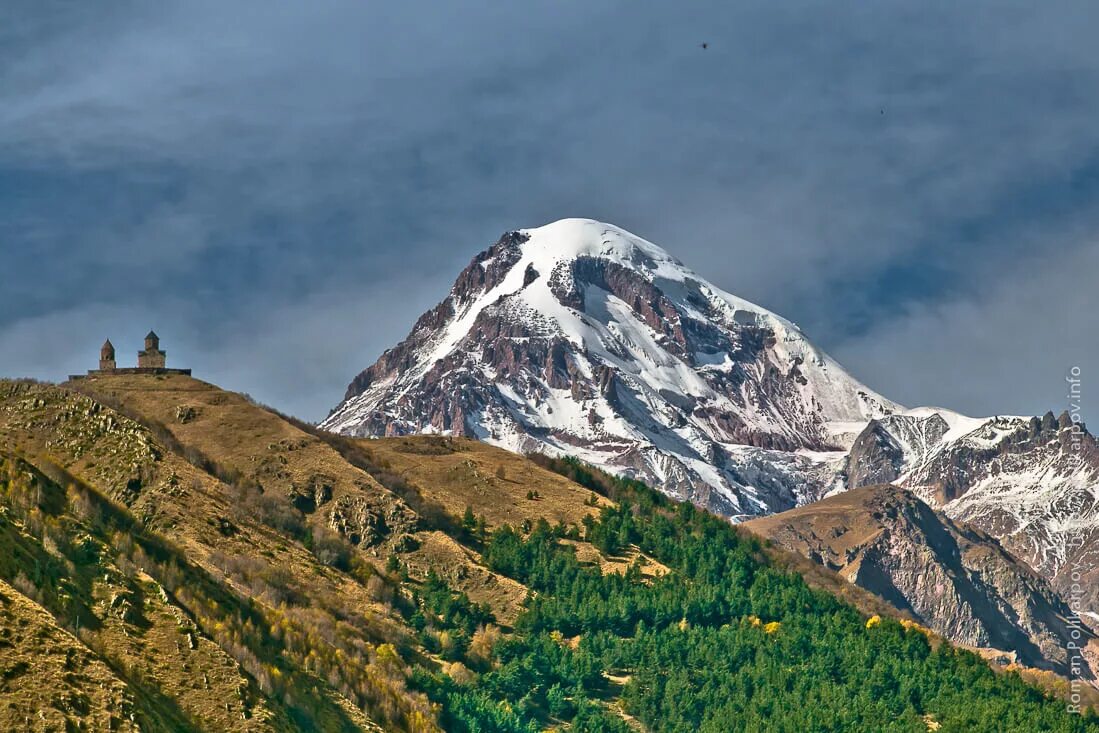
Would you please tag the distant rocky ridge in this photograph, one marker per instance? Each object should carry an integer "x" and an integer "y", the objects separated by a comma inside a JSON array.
[{"x": 1032, "y": 483}]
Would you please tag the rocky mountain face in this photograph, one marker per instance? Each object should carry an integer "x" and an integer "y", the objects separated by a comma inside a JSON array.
[
  {"x": 578, "y": 337},
  {"x": 1031, "y": 482},
  {"x": 954, "y": 578}
]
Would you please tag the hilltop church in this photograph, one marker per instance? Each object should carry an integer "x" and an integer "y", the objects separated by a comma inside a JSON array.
[{"x": 150, "y": 360}]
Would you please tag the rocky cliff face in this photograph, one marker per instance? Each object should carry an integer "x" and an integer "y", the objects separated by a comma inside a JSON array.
[
  {"x": 955, "y": 578},
  {"x": 1032, "y": 483},
  {"x": 581, "y": 338}
]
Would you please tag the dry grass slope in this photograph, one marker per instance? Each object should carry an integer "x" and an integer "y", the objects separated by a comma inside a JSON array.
[
  {"x": 223, "y": 607},
  {"x": 233, "y": 579},
  {"x": 49, "y": 681},
  {"x": 460, "y": 472}
]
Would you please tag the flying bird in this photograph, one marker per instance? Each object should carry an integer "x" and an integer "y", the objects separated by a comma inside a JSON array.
[{"x": 704, "y": 44}]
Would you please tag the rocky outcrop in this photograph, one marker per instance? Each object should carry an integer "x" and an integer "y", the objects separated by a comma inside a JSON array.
[
  {"x": 954, "y": 578},
  {"x": 316, "y": 492},
  {"x": 367, "y": 523},
  {"x": 874, "y": 458}
]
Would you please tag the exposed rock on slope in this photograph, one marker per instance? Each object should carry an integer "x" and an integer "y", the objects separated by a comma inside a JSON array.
[
  {"x": 248, "y": 445},
  {"x": 956, "y": 579},
  {"x": 51, "y": 681},
  {"x": 200, "y": 594}
]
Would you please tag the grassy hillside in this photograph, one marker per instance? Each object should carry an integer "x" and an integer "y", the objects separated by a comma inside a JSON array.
[
  {"x": 209, "y": 565},
  {"x": 49, "y": 679}
]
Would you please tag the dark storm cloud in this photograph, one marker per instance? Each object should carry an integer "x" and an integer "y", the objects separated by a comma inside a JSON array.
[{"x": 280, "y": 189}]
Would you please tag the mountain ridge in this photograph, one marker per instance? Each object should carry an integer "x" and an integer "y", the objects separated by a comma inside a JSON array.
[{"x": 1032, "y": 483}]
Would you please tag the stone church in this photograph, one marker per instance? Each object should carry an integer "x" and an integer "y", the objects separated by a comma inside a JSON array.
[{"x": 150, "y": 360}]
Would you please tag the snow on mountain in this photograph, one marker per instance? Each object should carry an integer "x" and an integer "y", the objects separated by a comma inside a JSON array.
[{"x": 579, "y": 337}]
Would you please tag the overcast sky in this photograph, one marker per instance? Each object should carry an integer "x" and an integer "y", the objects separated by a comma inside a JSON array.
[{"x": 280, "y": 189}]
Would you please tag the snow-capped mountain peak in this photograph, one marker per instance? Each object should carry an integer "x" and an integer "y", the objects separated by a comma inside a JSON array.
[{"x": 581, "y": 337}]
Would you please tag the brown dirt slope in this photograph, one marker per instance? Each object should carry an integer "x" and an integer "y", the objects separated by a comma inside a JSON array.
[
  {"x": 246, "y": 442},
  {"x": 229, "y": 587}
]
